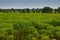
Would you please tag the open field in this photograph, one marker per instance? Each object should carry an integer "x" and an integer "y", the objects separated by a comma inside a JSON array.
[{"x": 26, "y": 26}]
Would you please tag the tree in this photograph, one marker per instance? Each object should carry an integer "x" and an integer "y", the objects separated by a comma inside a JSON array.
[
  {"x": 33, "y": 10},
  {"x": 55, "y": 10},
  {"x": 12, "y": 10},
  {"x": 37, "y": 10},
  {"x": 28, "y": 10},
  {"x": 47, "y": 10},
  {"x": 0, "y": 9},
  {"x": 58, "y": 9}
]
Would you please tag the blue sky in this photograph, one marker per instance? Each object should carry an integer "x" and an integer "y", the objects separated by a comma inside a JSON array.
[{"x": 29, "y": 3}]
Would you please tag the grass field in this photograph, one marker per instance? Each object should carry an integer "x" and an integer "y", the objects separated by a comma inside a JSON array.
[{"x": 43, "y": 24}]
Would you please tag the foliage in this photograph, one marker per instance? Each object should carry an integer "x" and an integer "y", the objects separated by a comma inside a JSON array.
[
  {"x": 29, "y": 26},
  {"x": 33, "y": 10}
]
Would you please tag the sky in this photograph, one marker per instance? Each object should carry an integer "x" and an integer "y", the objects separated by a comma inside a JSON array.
[{"x": 29, "y": 3}]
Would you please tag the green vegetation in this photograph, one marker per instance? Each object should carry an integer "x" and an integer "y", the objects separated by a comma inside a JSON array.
[
  {"x": 29, "y": 26},
  {"x": 33, "y": 10}
]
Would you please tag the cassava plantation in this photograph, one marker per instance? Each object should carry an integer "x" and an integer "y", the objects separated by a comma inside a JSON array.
[{"x": 29, "y": 26}]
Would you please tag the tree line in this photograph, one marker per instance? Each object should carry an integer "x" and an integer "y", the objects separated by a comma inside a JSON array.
[{"x": 33, "y": 10}]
